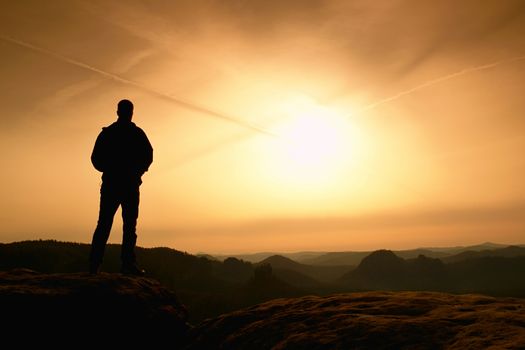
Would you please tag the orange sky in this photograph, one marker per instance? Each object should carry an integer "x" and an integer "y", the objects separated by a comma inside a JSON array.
[{"x": 277, "y": 125}]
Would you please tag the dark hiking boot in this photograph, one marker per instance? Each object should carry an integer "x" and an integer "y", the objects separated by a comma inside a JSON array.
[{"x": 133, "y": 270}]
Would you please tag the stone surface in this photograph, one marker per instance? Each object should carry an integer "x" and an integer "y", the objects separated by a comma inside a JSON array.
[
  {"x": 91, "y": 308},
  {"x": 80, "y": 309},
  {"x": 371, "y": 320}
]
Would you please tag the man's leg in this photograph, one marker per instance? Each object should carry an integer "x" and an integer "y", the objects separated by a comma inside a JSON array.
[
  {"x": 109, "y": 202},
  {"x": 130, "y": 213}
]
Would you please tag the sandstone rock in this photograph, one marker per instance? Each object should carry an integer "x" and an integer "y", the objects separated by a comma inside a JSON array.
[
  {"x": 91, "y": 308},
  {"x": 372, "y": 320}
]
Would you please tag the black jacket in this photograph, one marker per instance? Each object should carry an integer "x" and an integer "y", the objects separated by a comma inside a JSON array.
[{"x": 122, "y": 153}]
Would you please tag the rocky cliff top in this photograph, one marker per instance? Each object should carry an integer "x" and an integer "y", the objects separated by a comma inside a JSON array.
[
  {"x": 89, "y": 307},
  {"x": 372, "y": 320},
  {"x": 51, "y": 309}
]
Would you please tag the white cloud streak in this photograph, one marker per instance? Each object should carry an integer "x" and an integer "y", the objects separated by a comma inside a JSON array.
[
  {"x": 439, "y": 80},
  {"x": 181, "y": 103}
]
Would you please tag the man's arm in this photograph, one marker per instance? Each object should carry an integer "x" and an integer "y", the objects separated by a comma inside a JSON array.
[
  {"x": 147, "y": 155},
  {"x": 98, "y": 156}
]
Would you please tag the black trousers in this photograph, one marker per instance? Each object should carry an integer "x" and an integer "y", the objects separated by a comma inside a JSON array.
[{"x": 111, "y": 197}]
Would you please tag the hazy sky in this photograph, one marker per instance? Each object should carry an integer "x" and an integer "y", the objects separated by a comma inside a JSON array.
[{"x": 276, "y": 125}]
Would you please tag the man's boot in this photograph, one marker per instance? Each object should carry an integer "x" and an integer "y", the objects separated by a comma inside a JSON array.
[
  {"x": 132, "y": 269},
  {"x": 94, "y": 268}
]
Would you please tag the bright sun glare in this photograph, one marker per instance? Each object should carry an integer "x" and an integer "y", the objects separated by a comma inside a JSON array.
[
  {"x": 312, "y": 140},
  {"x": 316, "y": 142}
]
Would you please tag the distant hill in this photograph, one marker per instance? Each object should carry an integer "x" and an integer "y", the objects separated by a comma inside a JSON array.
[
  {"x": 253, "y": 258},
  {"x": 288, "y": 270},
  {"x": 354, "y": 258},
  {"x": 265, "y": 285},
  {"x": 207, "y": 256},
  {"x": 414, "y": 253},
  {"x": 497, "y": 276},
  {"x": 380, "y": 270},
  {"x": 372, "y": 320},
  {"x": 258, "y": 257},
  {"x": 336, "y": 258},
  {"x": 318, "y": 273},
  {"x": 507, "y": 252},
  {"x": 281, "y": 262},
  {"x": 385, "y": 270},
  {"x": 459, "y": 249},
  {"x": 297, "y": 279},
  {"x": 233, "y": 270}
]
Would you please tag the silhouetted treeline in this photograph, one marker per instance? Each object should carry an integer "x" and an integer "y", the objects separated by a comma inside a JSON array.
[
  {"x": 493, "y": 275},
  {"x": 209, "y": 287}
]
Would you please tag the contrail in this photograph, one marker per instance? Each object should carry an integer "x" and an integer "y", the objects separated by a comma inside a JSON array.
[
  {"x": 182, "y": 103},
  {"x": 439, "y": 80}
]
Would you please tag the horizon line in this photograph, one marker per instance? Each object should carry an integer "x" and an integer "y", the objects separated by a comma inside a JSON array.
[{"x": 279, "y": 252}]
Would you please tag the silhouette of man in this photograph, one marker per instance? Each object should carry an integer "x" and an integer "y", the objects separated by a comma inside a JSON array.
[{"x": 123, "y": 154}]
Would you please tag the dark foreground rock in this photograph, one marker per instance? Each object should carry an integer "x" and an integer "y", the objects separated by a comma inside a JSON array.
[
  {"x": 373, "y": 320},
  {"x": 80, "y": 310},
  {"x": 52, "y": 308}
]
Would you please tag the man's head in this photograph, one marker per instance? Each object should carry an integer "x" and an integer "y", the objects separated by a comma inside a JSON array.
[{"x": 125, "y": 110}]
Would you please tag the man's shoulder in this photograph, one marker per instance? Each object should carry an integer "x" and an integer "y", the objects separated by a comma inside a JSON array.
[
  {"x": 118, "y": 128},
  {"x": 138, "y": 129},
  {"x": 111, "y": 126},
  {"x": 135, "y": 126},
  {"x": 107, "y": 128}
]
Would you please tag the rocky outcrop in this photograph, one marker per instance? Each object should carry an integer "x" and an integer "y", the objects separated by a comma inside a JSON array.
[
  {"x": 372, "y": 320},
  {"x": 100, "y": 308},
  {"x": 79, "y": 310}
]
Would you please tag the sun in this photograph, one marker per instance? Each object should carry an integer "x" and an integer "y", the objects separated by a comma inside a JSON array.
[
  {"x": 311, "y": 140},
  {"x": 316, "y": 143}
]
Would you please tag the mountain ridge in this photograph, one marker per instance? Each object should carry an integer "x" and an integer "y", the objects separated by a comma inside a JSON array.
[
  {"x": 353, "y": 258},
  {"x": 323, "y": 274}
]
